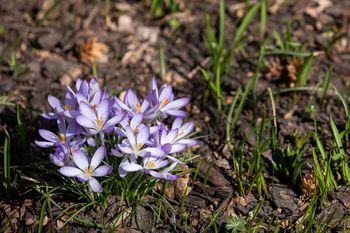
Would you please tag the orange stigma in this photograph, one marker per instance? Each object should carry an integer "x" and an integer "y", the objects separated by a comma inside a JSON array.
[
  {"x": 138, "y": 107},
  {"x": 61, "y": 137},
  {"x": 163, "y": 103},
  {"x": 67, "y": 107}
]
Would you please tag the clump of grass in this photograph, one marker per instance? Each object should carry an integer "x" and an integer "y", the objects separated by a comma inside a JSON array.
[{"x": 221, "y": 57}]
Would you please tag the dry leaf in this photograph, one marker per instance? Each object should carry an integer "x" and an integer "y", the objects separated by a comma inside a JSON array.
[
  {"x": 93, "y": 51},
  {"x": 308, "y": 184}
]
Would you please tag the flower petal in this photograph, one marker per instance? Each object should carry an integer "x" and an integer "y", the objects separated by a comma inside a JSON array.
[
  {"x": 154, "y": 151},
  {"x": 95, "y": 185},
  {"x": 80, "y": 160},
  {"x": 49, "y": 115},
  {"x": 103, "y": 110},
  {"x": 71, "y": 129},
  {"x": 82, "y": 177},
  {"x": 131, "y": 167},
  {"x": 125, "y": 149},
  {"x": 53, "y": 101},
  {"x": 175, "y": 148},
  {"x": 171, "y": 136},
  {"x": 122, "y": 105},
  {"x": 166, "y": 93},
  {"x": 143, "y": 135},
  {"x": 130, "y": 135},
  {"x": 177, "y": 123},
  {"x": 48, "y": 135},
  {"x": 57, "y": 161},
  {"x": 87, "y": 111},
  {"x": 176, "y": 113},
  {"x": 44, "y": 144},
  {"x": 163, "y": 175},
  {"x": 122, "y": 172},
  {"x": 71, "y": 113},
  {"x": 109, "y": 125},
  {"x": 131, "y": 99},
  {"x": 176, "y": 104},
  {"x": 154, "y": 86},
  {"x": 86, "y": 122},
  {"x": 188, "y": 142},
  {"x": 116, "y": 153},
  {"x": 69, "y": 171},
  {"x": 98, "y": 157},
  {"x": 136, "y": 120},
  {"x": 102, "y": 171}
]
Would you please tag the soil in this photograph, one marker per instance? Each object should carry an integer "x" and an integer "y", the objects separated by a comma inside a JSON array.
[{"x": 47, "y": 39}]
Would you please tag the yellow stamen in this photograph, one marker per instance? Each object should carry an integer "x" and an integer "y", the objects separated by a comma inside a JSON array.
[
  {"x": 163, "y": 103},
  {"x": 71, "y": 152},
  {"x": 179, "y": 134},
  {"x": 99, "y": 122},
  {"x": 67, "y": 107},
  {"x": 138, "y": 107},
  {"x": 138, "y": 147},
  {"x": 150, "y": 164},
  {"x": 89, "y": 171},
  {"x": 61, "y": 137}
]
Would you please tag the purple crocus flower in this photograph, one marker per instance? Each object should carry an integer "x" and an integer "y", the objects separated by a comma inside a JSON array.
[
  {"x": 86, "y": 89},
  {"x": 164, "y": 174},
  {"x": 133, "y": 105},
  {"x": 85, "y": 170},
  {"x": 150, "y": 166},
  {"x": 134, "y": 144},
  {"x": 134, "y": 123},
  {"x": 172, "y": 141},
  {"x": 164, "y": 99},
  {"x": 97, "y": 121},
  {"x": 183, "y": 131},
  {"x": 59, "y": 158},
  {"x": 62, "y": 137},
  {"x": 67, "y": 108}
]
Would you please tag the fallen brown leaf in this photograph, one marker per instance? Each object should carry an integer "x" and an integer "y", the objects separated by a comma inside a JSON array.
[{"x": 93, "y": 51}]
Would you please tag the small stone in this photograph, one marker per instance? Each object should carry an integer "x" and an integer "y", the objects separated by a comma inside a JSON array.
[
  {"x": 125, "y": 24},
  {"x": 149, "y": 34}
]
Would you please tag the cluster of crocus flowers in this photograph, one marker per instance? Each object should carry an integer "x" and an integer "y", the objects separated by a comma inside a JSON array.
[{"x": 93, "y": 125}]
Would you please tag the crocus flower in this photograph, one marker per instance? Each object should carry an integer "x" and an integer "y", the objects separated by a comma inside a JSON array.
[
  {"x": 164, "y": 99},
  {"x": 86, "y": 89},
  {"x": 164, "y": 174},
  {"x": 63, "y": 136},
  {"x": 97, "y": 121},
  {"x": 67, "y": 108},
  {"x": 133, "y": 123},
  {"x": 151, "y": 165},
  {"x": 85, "y": 170},
  {"x": 183, "y": 131},
  {"x": 134, "y": 144},
  {"x": 59, "y": 158},
  {"x": 133, "y": 105},
  {"x": 171, "y": 141}
]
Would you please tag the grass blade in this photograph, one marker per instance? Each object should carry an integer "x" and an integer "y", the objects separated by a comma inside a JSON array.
[
  {"x": 326, "y": 83},
  {"x": 245, "y": 23},
  {"x": 7, "y": 144}
]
